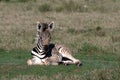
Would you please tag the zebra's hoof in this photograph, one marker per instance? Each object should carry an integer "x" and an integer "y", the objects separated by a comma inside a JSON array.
[
  {"x": 66, "y": 64},
  {"x": 29, "y": 62},
  {"x": 79, "y": 64}
]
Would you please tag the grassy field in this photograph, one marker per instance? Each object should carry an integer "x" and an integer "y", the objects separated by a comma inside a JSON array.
[
  {"x": 95, "y": 67},
  {"x": 91, "y": 30}
]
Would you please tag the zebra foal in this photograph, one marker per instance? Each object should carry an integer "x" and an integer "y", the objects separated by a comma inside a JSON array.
[
  {"x": 45, "y": 53},
  {"x": 42, "y": 51}
]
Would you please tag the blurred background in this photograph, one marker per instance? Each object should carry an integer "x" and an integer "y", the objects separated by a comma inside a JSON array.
[{"x": 84, "y": 23}]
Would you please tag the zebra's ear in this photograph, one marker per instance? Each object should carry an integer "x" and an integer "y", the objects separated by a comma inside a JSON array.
[
  {"x": 38, "y": 26},
  {"x": 51, "y": 26}
]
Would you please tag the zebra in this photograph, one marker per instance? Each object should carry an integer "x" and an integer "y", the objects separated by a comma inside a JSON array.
[
  {"x": 46, "y": 53},
  {"x": 42, "y": 51}
]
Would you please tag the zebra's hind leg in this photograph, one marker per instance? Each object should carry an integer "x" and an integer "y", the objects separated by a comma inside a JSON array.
[
  {"x": 67, "y": 61},
  {"x": 71, "y": 60},
  {"x": 53, "y": 60},
  {"x": 66, "y": 53},
  {"x": 50, "y": 62}
]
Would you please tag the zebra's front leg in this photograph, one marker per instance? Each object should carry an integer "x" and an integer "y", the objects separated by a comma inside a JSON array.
[{"x": 35, "y": 61}]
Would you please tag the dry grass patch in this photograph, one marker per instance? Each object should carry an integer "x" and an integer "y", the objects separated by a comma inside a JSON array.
[{"x": 17, "y": 29}]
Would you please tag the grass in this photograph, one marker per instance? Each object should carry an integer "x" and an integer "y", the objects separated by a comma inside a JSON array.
[
  {"x": 45, "y": 8},
  {"x": 15, "y": 67},
  {"x": 91, "y": 31},
  {"x": 100, "y": 29},
  {"x": 17, "y": 0}
]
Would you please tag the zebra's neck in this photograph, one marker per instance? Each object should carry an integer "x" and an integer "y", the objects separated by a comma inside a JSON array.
[{"x": 39, "y": 51}]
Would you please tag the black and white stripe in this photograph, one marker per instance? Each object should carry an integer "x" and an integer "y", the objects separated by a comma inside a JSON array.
[
  {"x": 42, "y": 40},
  {"x": 39, "y": 51}
]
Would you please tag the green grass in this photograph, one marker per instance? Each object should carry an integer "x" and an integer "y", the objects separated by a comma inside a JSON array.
[{"x": 13, "y": 66}]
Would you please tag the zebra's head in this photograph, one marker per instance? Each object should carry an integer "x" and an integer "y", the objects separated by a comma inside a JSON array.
[{"x": 43, "y": 31}]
